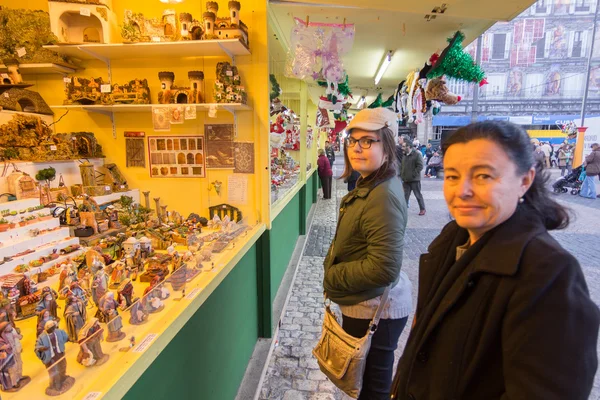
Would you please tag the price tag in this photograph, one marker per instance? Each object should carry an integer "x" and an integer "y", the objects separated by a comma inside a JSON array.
[
  {"x": 192, "y": 294},
  {"x": 105, "y": 88},
  {"x": 145, "y": 343},
  {"x": 107, "y": 188},
  {"x": 92, "y": 396},
  {"x": 67, "y": 79},
  {"x": 6, "y": 95},
  {"x": 53, "y": 148},
  {"x": 21, "y": 52},
  {"x": 229, "y": 73},
  {"x": 84, "y": 11},
  {"x": 156, "y": 38}
]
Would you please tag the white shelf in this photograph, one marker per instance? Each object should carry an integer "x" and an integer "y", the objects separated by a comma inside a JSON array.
[
  {"x": 21, "y": 244},
  {"x": 44, "y": 69},
  {"x": 109, "y": 198},
  {"x": 47, "y": 265},
  {"x": 164, "y": 50},
  {"x": 18, "y": 205},
  {"x": 8, "y": 267},
  {"x": 146, "y": 108},
  {"x": 23, "y": 231}
]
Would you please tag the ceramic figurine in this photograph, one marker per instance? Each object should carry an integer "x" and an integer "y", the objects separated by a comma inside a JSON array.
[
  {"x": 125, "y": 294},
  {"x": 139, "y": 315},
  {"x": 90, "y": 350},
  {"x": 106, "y": 304},
  {"x": 77, "y": 291},
  {"x": 50, "y": 349},
  {"x": 48, "y": 302},
  {"x": 99, "y": 286},
  {"x": 108, "y": 313},
  {"x": 153, "y": 296},
  {"x": 119, "y": 274},
  {"x": 75, "y": 316},
  {"x": 179, "y": 277},
  {"x": 43, "y": 317},
  {"x": 11, "y": 370}
]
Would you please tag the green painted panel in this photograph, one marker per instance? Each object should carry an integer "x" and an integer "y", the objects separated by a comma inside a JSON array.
[
  {"x": 207, "y": 359},
  {"x": 284, "y": 234},
  {"x": 309, "y": 195}
]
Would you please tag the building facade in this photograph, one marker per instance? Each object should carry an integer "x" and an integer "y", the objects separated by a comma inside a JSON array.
[{"x": 536, "y": 66}]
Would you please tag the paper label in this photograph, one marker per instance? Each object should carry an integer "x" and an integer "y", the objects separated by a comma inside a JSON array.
[
  {"x": 105, "y": 88},
  {"x": 145, "y": 343},
  {"x": 67, "y": 79},
  {"x": 229, "y": 73},
  {"x": 53, "y": 148},
  {"x": 84, "y": 11},
  {"x": 156, "y": 38},
  {"x": 21, "y": 52},
  {"x": 192, "y": 294},
  {"x": 107, "y": 188},
  {"x": 92, "y": 396},
  {"x": 4, "y": 76}
]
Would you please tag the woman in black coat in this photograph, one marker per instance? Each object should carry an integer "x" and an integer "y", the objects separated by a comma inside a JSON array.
[{"x": 503, "y": 310}]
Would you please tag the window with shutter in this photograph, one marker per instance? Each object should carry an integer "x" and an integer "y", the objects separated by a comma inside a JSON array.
[
  {"x": 534, "y": 85},
  {"x": 541, "y": 7},
  {"x": 582, "y": 6},
  {"x": 499, "y": 46},
  {"x": 540, "y": 48},
  {"x": 577, "y": 46}
]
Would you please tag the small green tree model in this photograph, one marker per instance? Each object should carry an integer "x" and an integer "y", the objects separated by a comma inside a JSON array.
[
  {"x": 46, "y": 175},
  {"x": 456, "y": 63}
]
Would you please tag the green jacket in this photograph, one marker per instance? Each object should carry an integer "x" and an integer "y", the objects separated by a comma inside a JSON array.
[
  {"x": 366, "y": 254},
  {"x": 412, "y": 165}
]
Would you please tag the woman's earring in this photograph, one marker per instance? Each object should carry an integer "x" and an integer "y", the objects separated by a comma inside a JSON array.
[{"x": 521, "y": 200}]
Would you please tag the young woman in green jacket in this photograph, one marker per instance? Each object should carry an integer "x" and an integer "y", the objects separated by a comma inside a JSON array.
[{"x": 365, "y": 256}]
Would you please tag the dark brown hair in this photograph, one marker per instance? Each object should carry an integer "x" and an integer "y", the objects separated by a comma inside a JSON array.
[
  {"x": 388, "y": 141},
  {"x": 515, "y": 141}
]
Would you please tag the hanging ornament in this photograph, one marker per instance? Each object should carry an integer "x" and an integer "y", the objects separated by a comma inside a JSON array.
[
  {"x": 275, "y": 88},
  {"x": 378, "y": 102},
  {"x": 456, "y": 63}
]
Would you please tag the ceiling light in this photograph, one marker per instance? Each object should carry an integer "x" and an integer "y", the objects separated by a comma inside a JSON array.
[
  {"x": 361, "y": 102},
  {"x": 384, "y": 66},
  {"x": 171, "y": 1}
]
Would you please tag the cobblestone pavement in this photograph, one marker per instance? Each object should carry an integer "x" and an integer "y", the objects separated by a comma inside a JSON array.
[{"x": 293, "y": 373}]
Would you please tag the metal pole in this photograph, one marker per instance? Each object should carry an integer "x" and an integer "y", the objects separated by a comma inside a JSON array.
[
  {"x": 475, "y": 106},
  {"x": 589, "y": 66}
]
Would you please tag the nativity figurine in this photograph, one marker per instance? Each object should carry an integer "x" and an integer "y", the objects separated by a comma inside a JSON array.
[
  {"x": 11, "y": 369},
  {"x": 75, "y": 316},
  {"x": 90, "y": 349},
  {"x": 50, "y": 349}
]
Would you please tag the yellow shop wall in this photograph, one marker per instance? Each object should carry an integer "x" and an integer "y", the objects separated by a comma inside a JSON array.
[{"x": 182, "y": 194}]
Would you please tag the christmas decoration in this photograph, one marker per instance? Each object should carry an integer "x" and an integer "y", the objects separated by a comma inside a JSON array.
[
  {"x": 389, "y": 102},
  {"x": 275, "y": 88},
  {"x": 378, "y": 102},
  {"x": 456, "y": 63}
]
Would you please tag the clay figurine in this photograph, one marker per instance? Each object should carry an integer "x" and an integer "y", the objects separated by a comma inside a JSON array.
[
  {"x": 106, "y": 304},
  {"x": 43, "y": 317},
  {"x": 50, "y": 349},
  {"x": 108, "y": 313},
  {"x": 11, "y": 364},
  {"x": 125, "y": 294},
  {"x": 75, "y": 316},
  {"x": 48, "y": 302},
  {"x": 90, "y": 350},
  {"x": 139, "y": 315},
  {"x": 118, "y": 275},
  {"x": 99, "y": 286}
]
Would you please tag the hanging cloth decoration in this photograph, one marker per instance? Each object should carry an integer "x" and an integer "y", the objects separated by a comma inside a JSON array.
[
  {"x": 389, "y": 102},
  {"x": 275, "y": 88},
  {"x": 456, "y": 63}
]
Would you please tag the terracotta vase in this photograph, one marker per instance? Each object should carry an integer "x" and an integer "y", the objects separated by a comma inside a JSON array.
[{"x": 4, "y": 227}]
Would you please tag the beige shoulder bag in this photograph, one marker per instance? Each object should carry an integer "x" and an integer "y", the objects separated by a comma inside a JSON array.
[{"x": 343, "y": 357}]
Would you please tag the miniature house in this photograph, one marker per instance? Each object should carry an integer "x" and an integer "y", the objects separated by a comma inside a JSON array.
[
  {"x": 171, "y": 94},
  {"x": 131, "y": 245},
  {"x": 224, "y": 28},
  {"x": 24, "y": 100},
  {"x": 71, "y": 24},
  {"x": 13, "y": 75},
  {"x": 152, "y": 29},
  {"x": 145, "y": 245},
  {"x": 191, "y": 29},
  {"x": 23, "y": 186}
]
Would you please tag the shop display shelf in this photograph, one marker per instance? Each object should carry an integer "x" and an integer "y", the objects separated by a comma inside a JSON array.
[
  {"x": 22, "y": 243},
  {"x": 8, "y": 267},
  {"x": 49, "y": 264},
  {"x": 113, "y": 197},
  {"x": 44, "y": 69},
  {"x": 21, "y": 232},
  {"x": 147, "y": 108},
  {"x": 20, "y": 204},
  {"x": 164, "y": 50}
]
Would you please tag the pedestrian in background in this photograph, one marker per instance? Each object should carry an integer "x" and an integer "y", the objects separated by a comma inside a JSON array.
[
  {"x": 399, "y": 153},
  {"x": 329, "y": 150},
  {"x": 325, "y": 174},
  {"x": 428, "y": 153},
  {"x": 351, "y": 180},
  {"x": 547, "y": 149},
  {"x": 592, "y": 170},
  {"x": 538, "y": 156},
  {"x": 365, "y": 256},
  {"x": 565, "y": 158},
  {"x": 412, "y": 165},
  {"x": 503, "y": 310}
]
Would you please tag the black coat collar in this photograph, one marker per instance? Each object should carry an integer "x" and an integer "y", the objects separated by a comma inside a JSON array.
[{"x": 503, "y": 251}]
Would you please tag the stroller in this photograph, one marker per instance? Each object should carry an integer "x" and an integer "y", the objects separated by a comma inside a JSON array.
[{"x": 571, "y": 181}]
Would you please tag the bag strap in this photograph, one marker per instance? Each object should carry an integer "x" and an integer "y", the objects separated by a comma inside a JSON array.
[{"x": 382, "y": 303}]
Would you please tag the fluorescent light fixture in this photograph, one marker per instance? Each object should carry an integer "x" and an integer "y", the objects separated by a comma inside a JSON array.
[
  {"x": 384, "y": 66},
  {"x": 361, "y": 102},
  {"x": 171, "y": 1}
]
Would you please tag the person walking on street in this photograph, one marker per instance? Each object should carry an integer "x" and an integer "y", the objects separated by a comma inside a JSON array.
[
  {"x": 412, "y": 165},
  {"x": 330, "y": 153},
  {"x": 539, "y": 156},
  {"x": 325, "y": 174},
  {"x": 547, "y": 149},
  {"x": 365, "y": 257},
  {"x": 503, "y": 310},
  {"x": 428, "y": 153},
  {"x": 565, "y": 158},
  {"x": 592, "y": 170}
]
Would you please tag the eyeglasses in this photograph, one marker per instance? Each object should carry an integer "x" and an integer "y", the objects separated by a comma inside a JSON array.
[{"x": 364, "y": 142}]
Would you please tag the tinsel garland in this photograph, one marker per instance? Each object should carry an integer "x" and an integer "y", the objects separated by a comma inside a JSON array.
[
  {"x": 456, "y": 63},
  {"x": 389, "y": 102},
  {"x": 275, "y": 88},
  {"x": 378, "y": 102},
  {"x": 343, "y": 88}
]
